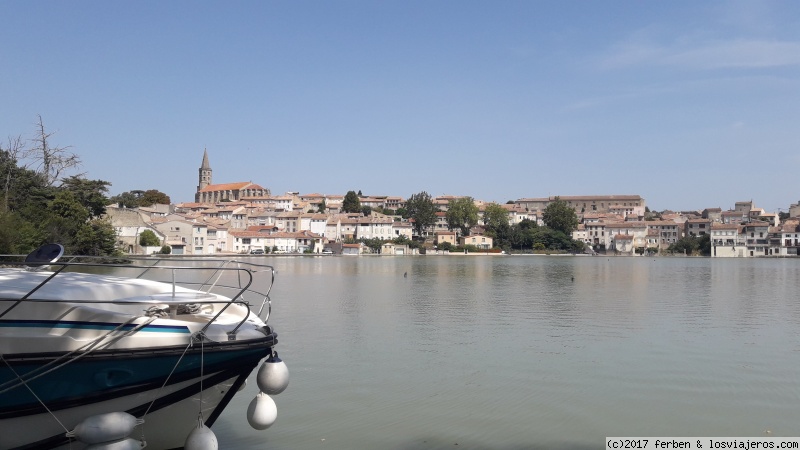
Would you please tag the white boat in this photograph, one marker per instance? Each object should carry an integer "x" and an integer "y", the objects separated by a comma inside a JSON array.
[{"x": 164, "y": 341}]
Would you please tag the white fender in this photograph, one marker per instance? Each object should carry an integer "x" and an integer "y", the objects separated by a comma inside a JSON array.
[
  {"x": 262, "y": 412},
  {"x": 201, "y": 438},
  {"x": 105, "y": 427},
  {"x": 273, "y": 375}
]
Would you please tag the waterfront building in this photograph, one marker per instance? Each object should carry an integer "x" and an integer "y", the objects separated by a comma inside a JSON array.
[
  {"x": 669, "y": 232},
  {"x": 727, "y": 240},
  {"x": 480, "y": 241},
  {"x": 696, "y": 227},
  {"x": 440, "y": 237},
  {"x": 788, "y": 235},
  {"x": 626, "y": 237},
  {"x": 756, "y": 235}
]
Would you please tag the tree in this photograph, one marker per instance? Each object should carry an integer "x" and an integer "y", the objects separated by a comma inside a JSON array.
[
  {"x": 366, "y": 210},
  {"x": 495, "y": 217},
  {"x": 154, "y": 197},
  {"x": 94, "y": 238},
  {"x": 322, "y": 207},
  {"x": 9, "y": 158},
  {"x": 687, "y": 245},
  {"x": 462, "y": 214},
  {"x": 125, "y": 200},
  {"x": 89, "y": 193},
  {"x": 560, "y": 217},
  {"x": 50, "y": 161},
  {"x": 420, "y": 207},
  {"x": 148, "y": 239},
  {"x": 351, "y": 203}
]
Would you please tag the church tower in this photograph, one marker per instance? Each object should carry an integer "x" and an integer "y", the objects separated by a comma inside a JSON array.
[{"x": 205, "y": 172}]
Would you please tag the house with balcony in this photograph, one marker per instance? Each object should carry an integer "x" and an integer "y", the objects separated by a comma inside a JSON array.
[
  {"x": 756, "y": 238},
  {"x": 727, "y": 241},
  {"x": 788, "y": 236}
]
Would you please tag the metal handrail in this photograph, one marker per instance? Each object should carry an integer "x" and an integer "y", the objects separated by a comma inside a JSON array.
[{"x": 208, "y": 286}]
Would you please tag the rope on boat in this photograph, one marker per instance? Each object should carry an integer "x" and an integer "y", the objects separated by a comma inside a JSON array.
[
  {"x": 198, "y": 335},
  {"x": 23, "y": 382}
]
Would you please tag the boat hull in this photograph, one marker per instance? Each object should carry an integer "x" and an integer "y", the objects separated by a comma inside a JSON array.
[{"x": 122, "y": 380}]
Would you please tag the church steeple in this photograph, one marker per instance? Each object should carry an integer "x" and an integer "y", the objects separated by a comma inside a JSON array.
[{"x": 205, "y": 172}]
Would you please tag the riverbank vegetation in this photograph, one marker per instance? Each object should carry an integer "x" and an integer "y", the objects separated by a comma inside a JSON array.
[{"x": 39, "y": 205}]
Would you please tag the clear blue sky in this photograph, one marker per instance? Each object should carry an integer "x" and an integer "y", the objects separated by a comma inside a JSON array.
[{"x": 689, "y": 104}]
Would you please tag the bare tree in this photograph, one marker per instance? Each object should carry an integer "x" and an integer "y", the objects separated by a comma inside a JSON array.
[
  {"x": 50, "y": 161},
  {"x": 14, "y": 150}
]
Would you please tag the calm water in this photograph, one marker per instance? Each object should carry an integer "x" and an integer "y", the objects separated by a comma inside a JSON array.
[{"x": 511, "y": 352}]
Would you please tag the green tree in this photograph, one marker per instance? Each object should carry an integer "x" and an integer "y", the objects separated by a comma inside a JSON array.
[
  {"x": 351, "y": 203},
  {"x": 366, "y": 210},
  {"x": 322, "y": 206},
  {"x": 65, "y": 219},
  {"x": 705, "y": 244},
  {"x": 421, "y": 209},
  {"x": 89, "y": 193},
  {"x": 374, "y": 243},
  {"x": 94, "y": 238},
  {"x": 125, "y": 200},
  {"x": 559, "y": 216},
  {"x": 154, "y": 197},
  {"x": 462, "y": 214},
  {"x": 148, "y": 239},
  {"x": 446, "y": 246},
  {"x": 495, "y": 218},
  {"x": 687, "y": 244}
]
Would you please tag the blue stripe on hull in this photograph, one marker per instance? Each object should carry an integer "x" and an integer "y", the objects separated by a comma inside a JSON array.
[{"x": 82, "y": 325}]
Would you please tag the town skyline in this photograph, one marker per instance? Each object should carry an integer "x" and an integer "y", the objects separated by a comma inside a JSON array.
[
  {"x": 687, "y": 104},
  {"x": 206, "y": 181}
]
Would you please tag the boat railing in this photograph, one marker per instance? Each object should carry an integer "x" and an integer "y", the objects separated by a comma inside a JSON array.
[{"x": 231, "y": 279}]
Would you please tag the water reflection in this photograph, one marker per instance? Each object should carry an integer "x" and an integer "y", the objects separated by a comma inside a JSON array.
[{"x": 528, "y": 352}]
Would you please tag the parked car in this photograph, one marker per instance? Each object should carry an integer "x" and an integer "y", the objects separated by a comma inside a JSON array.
[{"x": 257, "y": 251}]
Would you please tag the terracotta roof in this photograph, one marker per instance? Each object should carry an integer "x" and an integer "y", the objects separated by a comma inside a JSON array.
[
  {"x": 230, "y": 187},
  {"x": 623, "y": 237}
]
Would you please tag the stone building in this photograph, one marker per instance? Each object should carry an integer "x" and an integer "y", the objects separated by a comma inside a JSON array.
[{"x": 207, "y": 192}]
